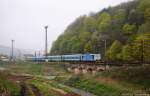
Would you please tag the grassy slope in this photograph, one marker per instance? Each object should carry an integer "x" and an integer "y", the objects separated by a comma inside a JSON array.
[
  {"x": 49, "y": 87},
  {"x": 115, "y": 82},
  {"x": 43, "y": 87},
  {"x": 36, "y": 69},
  {"x": 7, "y": 86},
  {"x": 121, "y": 80},
  {"x": 92, "y": 86},
  {"x": 138, "y": 76}
]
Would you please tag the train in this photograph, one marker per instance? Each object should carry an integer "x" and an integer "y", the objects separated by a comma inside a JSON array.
[{"x": 67, "y": 58}]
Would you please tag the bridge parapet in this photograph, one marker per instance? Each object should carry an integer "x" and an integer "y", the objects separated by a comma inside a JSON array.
[{"x": 86, "y": 68}]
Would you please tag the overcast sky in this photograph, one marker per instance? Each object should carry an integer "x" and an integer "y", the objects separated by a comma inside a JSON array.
[{"x": 24, "y": 20}]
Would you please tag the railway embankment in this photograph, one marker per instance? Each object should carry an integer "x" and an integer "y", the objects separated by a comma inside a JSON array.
[
  {"x": 118, "y": 81},
  {"x": 48, "y": 79}
]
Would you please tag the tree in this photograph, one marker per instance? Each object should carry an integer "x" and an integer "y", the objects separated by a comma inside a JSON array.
[
  {"x": 88, "y": 47},
  {"x": 63, "y": 45},
  {"x": 56, "y": 46},
  {"x": 120, "y": 16},
  {"x": 76, "y": 48},
  {"x": 147, "y": 15},
  {"x": 135, "y": 17},
  {"x": 94, "y": 41},
  {"x": 89, "y": 24},
  {"x": 84, "y": 37},
  {"x": 144, "y": 28},
  {"x": 71, "y": 42},
  {"x": 114, "y": 51},
  {"x": 127, "y": 53},
  {"x": 103, "y": 21},
  {"x": 141, "y": 47},
  {"x": 129, "y": 29},
  {"x": 115, "y": 29},
  {"x": 143, "y": 5},
  {"x": 123, "y": 23}
]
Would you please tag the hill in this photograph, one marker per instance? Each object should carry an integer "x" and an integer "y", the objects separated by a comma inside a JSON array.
[{"x": 125, "y": 28}]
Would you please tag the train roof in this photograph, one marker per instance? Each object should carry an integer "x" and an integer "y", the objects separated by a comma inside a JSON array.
[{"x": 73, "y": 55}]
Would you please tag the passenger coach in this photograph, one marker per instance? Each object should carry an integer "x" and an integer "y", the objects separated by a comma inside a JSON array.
[{"x": 74, "y": 57}]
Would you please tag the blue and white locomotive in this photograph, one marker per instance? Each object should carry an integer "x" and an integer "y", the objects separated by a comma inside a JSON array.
[{"x": 74, "y": 57}]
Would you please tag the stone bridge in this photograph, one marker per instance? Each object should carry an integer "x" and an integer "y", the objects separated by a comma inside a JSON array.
[{"x": 86, "y": 68}]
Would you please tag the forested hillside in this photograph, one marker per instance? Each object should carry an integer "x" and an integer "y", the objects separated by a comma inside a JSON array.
[{"x": 126, "y": 29}]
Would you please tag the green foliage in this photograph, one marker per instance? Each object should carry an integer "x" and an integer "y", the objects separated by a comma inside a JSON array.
[
  {"x": 147, "y": 15},
  {"x": 8, "y": 86},
  {"x": 88, "y": 47},
  {"x": 138, "y": 75},
  {"x": 95, "y": 43},
  {"x": 104, "y": 21},
  {"x": 42, "y": 86},
  {"x": 94, "y": 87},
  {"x": 144, "y": 28},
  {"x": 74, "y": 45},
  {"x": 129, "y": 29},
  {"x": 89, "y": 24},
  {"x": 47, "y": 86},
  {"x": 143, "y": 5},
  {"x": 141, "y": 47},
  {"x": 114, "y": 50},
  {"x": 122, "y": 23},
  {"x": 85, "y": 37},
  {"x": 120, "y": 16},
  {"x": 127, "y": 53}
]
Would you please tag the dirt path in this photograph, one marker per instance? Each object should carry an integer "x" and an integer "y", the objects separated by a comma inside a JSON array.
[
  {"x": 36, "y": 91},
  {"x": 78, "y": 91},
  {"x": 24, "y": 89},
  {"x": 21, "y": 79}
]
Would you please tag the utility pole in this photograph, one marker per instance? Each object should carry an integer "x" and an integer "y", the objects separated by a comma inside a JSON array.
[
  {"x": 46, "y": 27},
  {"x": 35, "y": 55},
  {"x": 105, "y": 47},
  {"x": 12, "y": 50},
  {"x": 39, "y": 53},
  {"x": 142, "y": 51},
  {"x": 19, "y": 57}
]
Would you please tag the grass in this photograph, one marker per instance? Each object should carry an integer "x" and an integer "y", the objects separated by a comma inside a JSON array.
[
  {"x": 94, "y": 87},
  {"x": 8, "y": 86},
  {"x": 124, "y": 78},
  {"x": 139, "y": 75},
  {"x": 30, "y": 92},
  {"x": 42, "y": 86},
  {"x": 47, "y": 87},
  {"x": 116, "y": 81},
  {"x": 26, "y": 67},
  {"x": 34, "y": 68}
]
